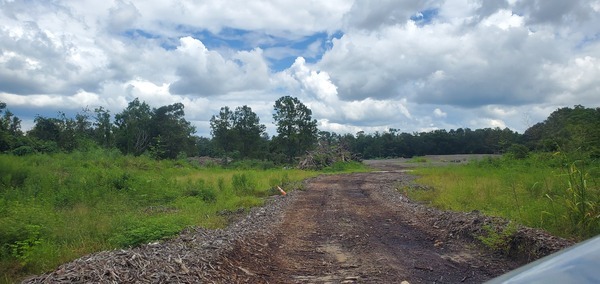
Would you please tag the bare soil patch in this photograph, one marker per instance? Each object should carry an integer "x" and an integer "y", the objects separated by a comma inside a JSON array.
[{"x": 354, "y": 228}]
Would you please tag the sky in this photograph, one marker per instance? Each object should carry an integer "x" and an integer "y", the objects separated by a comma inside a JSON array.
[{"x": 363, "y": 65}]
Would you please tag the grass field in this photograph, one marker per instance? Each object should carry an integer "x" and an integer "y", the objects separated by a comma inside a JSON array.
[
  {"x": 555, "y": 192},
  {"x": 55, "y": 208}
]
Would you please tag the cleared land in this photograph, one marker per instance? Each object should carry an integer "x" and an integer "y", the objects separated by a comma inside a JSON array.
[{"x": 352, "y": 228}]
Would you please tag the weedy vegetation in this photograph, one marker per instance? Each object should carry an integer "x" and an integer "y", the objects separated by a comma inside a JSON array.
[
  {"x": 557, "y": 192},
  {"x": 418, "y": 160},
  {"x": 57, "y": 207}
]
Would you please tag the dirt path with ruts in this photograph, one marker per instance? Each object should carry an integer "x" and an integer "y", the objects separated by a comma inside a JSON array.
[{"x": 342, "y": 229}]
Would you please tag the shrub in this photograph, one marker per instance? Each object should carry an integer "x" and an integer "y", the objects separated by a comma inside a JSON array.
[
  {"x": 498, "y": 239},
  {"x": 489, "y": 162},
  {"x": 202, "y": 191},
  {"x": 23, "y": 249},
  {"x": 12, "y": 174},
  {"x": 242, "y": 184},
  {"x": 23, "y": 150},
  {"x": 122, "y": 182},
  {"x": 141, "y": 233},
  {"x": 518, "y": 151},
  {"x": 47, "y": 147}
]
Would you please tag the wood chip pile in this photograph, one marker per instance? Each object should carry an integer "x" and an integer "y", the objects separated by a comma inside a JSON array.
[{"x": 196, "y": 256}]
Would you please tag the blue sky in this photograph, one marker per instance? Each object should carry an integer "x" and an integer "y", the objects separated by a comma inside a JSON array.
[
  {"x": 359, "y": 65},
  {"x": 424, "y": 17}
]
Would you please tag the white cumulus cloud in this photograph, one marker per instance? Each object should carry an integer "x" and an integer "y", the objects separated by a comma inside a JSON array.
[{"x": 361, "y": 64}]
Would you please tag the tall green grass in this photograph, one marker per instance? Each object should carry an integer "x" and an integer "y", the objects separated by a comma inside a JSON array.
[
  {"x": 55, "y": 208},
  {"x": 558, "y": 193}
]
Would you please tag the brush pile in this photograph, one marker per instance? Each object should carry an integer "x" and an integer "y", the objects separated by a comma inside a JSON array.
[{"x": 326, "y": 155}]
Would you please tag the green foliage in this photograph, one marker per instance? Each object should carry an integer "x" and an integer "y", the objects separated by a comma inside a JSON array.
[
  {"x": 170, "y": 132},
  {"x": 122, "y": 181},
  {"x": 23, "y": 150},
  {"x": 567, "y": 130},
  {"x": 136, "y": 233},
  {"x": 251, "y": 164},
  {"x": 54, "y": 208},
  {"x": 239, "y": 134},
  {"x": 132, "y": 128},
  {"x": 221, "y": 129},
  {"x": 221, "y": 184},
  {"x": 68, "y": 134},
  {"x": 242, "y": 183},
  {"x": 499, "y": 239},
  {"x": 249, "y": 132},
  {"x": 46, "y": 147},
  {"x": 10, "y": 129},
  {"x": 518, "y": 151},
  {"x": 339, "y": 167},
  {"x": 393, "y": 143},
  {"x": 162, "y": 132},
  {"x": 46, "y": 129},
  {"x": 544, "y": 191},
  {"x": 418, "y": 160},
  {"x": 582, "y": 200},
  {"x": 24, "y": 249},
  {"x": 296, "y": 130},
  {"x": 103, "y": 132},
  {"x": 201, "y": 190},
  {"x": 489, "y": 162},
  {"x": 12, "y": 175}
]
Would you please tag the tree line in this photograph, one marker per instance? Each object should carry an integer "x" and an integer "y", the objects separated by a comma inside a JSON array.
[
  {"x": 394, "y": 143},
  {"x": 164, "y": 133},
  {"x": 567, "y": 129}
]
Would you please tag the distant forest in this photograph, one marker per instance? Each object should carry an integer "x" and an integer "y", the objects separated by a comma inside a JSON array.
[{"x": 164, "y": 133}]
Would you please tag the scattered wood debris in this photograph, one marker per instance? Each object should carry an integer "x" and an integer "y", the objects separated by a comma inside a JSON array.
[{"x": 326, "y": 155}]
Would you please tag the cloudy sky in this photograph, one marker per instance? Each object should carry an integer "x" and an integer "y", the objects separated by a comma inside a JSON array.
[{"x": 359, "y": 65}]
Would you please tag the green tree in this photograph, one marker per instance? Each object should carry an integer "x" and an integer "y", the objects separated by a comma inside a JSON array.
[
  {"x": 67, "y": 136},
  {"x": 45, "y": 129},
  {"x": 103, "y": 128},
  {"x": 66, "y": 133},
  {"x": 132, "y": 132},
  {"x": 83, "y": 125},
  {"x": 567, "y": 129},
  {"x": 238, "y": 133},
  {"x": 296, "y": 130},
  {"x": 83, "y": 130},
  {"x": 248, "y": 132},
  {"x": 205, "y": 147},
  {"x": 171, "y": 133},
  {"x": 10, "y": 129},
  {"x": 221, "y": 127}
]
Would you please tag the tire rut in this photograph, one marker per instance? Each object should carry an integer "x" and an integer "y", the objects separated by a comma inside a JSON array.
[{"x": 340, "y": 230}]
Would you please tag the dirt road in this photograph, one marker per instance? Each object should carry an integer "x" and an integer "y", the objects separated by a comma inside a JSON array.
[
  {"x": 343, "y": 229},
  {"x": 353, "y": 228}
]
